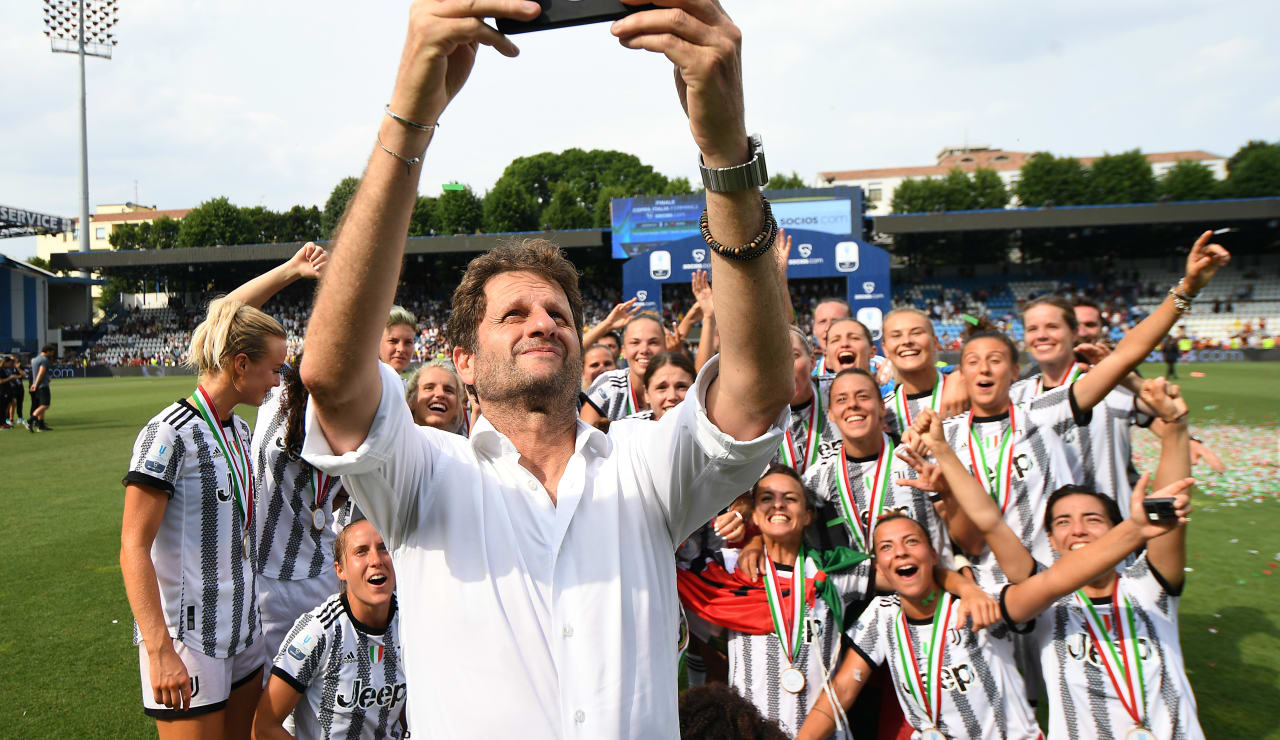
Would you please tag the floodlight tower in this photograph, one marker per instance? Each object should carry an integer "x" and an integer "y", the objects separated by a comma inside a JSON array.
[{"x": 82, "y": 27}]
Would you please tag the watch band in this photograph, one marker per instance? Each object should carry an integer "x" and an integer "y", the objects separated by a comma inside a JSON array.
[{"x": 751, "y": 174}]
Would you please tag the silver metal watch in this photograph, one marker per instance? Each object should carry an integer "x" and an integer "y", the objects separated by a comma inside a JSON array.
[{"x": 751, "y": 174}]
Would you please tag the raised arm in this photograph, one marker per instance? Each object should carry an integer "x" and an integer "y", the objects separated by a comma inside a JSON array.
[
  {"x": 706, "y": 301},
  {"x": 1024, "y": 601},
  {"x": 619, "y": 316},
  {"x": 1202, "y": 263},
  {"x": 1168, "y": 552},
  {"x": 751, "y": 305},
  {"x": 307, "y": 262},
  {"x": 340, "y": 365}
]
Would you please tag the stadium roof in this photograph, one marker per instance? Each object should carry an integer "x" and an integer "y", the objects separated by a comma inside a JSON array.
[
  {"x": 1207, "y": 212},
  {"x": 971, "y": 158},
  {"x": 461, "y": 243}
]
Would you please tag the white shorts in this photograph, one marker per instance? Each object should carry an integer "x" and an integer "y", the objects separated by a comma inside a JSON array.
[
  {"x": 280, "y": 603},
  {"x": 212, "y": 679}
]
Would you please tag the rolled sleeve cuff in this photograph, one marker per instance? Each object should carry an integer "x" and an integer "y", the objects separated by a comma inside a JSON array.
[
  {"x": 720, "y": 446},
  {"x": 376, "y": 449}
]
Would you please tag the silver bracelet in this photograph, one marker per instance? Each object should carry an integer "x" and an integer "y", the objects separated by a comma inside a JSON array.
[
  {"x": 1181, "y": 302},
  {"x": 408, "y": 162},
  {"x": 411, "y": 124}
]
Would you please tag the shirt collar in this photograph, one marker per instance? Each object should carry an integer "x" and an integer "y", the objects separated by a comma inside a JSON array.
[{"x": 489, "y": 442}]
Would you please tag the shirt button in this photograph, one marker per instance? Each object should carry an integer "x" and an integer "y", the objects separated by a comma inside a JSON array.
[
  {"x": 567, "y": 631},
  {"x": 533, "y": 484},
  {"x": 579, "y": 716}
]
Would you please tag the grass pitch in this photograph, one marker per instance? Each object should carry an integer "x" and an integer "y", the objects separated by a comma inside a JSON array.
[{"x": 70, "y": 670}]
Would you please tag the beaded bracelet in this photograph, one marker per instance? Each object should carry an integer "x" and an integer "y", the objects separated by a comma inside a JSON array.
[{"x": 749, "y": 251}]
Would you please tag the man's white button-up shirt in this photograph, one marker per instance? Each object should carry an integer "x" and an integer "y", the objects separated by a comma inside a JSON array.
[{"x": 492, "y": 577}]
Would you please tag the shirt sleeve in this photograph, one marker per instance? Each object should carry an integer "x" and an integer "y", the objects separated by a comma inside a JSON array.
[
  {"x": 870, "y": 633},
  {"x": 695, "y": 469},
  {"x": 388, "y": 474},
  {"x": 157, "y": 457},
  {"x": 600, "y": 394},
  {"x": 1055, "y": 406},
  {"x": 303, "y": 654}
]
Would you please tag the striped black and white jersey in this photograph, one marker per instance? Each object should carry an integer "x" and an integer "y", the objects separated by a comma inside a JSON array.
[
  {"x": 1083, "y": 703},
  {"x": 1039, "y": 465},
  {"x": 290, "y": 547},
  {"x": 982, "y": 694},
  {"x": 204, "y": 572},
  {"x": 824, "y": 479},
  {"x": 1097, "y": 442},
  {"x": 350, "y": 675},
  {"x": 828, "y": 434},
  {"x": 612, "y": 394},
  {"x": 757, "y": 661},
  {"x": 646, "y": 415},
  {"x": 915, "y": 403}
]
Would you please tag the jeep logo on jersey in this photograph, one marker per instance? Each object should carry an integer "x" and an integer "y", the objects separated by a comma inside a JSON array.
[
  {"x": 195, "y": 686},
  {"x": 364, "y": 696},
  {"x": 1021, "y": 465},
  {"x": 806, "y": 250},
  {"x": 699, "y": 255},
  {"x": 223, "y": 496}
]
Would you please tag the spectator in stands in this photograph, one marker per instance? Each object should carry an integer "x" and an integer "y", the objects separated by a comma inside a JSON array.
[{"x": 41, "y": 374}]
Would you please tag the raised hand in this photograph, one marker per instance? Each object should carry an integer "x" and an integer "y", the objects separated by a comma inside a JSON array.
[
  {"x": 1165, "y": 399},
  {"x": 309, "y": 261},
  {"x": 1179, "y": 490},
  {"x": 706, "y": 48},
  {"x": 440, "y": 50},
  {"x": 929, "y": 476},
  {"x": 1203, "y": 263},
  {"x": 926, "y": 433},
  {"x": 978, "y": 606},
  {"x": 782, "y": 251},
  {"x": 702, "y": 292},
  {"x": 730, "y": 526}
]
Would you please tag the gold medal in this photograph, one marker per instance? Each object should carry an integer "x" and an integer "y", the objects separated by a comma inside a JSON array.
[{"x": 792, "y": 680}]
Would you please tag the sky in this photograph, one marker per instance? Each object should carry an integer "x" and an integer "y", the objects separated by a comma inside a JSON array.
[{"x": 273, "y": 102}]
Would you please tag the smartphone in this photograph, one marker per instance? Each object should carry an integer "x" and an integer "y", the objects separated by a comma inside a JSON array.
[
  {"x": 565, "y": 13},
  {"x": 1160, "y": 510}
]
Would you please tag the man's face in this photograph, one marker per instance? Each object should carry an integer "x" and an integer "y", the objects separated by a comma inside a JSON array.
[
  {"x": 397, "y": 346},
  {"x": 848, "y": 346},
  {"x": 611, "y": 342},
  {"x": 1076, "y": 521},
  {"x": 597, "y": 361},
  {"x": 909, "y": 342},
  {"x": 1047, "y": 334},
  {"x": 988, "y": 371},
  {"x": 1089, "y": 324},
  {"x": 904, "y": 557},
  {"x": 640, "y": 342},
  {"x": 823, "y": 315},
  {"x": 527, "y": 345},
  {"x": 856, "y": 407}
]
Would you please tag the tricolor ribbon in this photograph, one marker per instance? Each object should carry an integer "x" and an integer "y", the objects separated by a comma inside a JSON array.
[
  {"x": 800, "y": 460},
  {"x": 787, "y": 614},
  {"x": 997, "y": 482},
  {"x": 902, "y": 406},
  {"x": 1120, "y": 656},
  {"x": 1072, "y": 375},
  {"x": 632, "y": 405},
  {"x": 232, "y": 450},
  {"x": 877, "y": 492},
  {"x": 320, "y": 485},
  {"x": 925, "y": 690}
]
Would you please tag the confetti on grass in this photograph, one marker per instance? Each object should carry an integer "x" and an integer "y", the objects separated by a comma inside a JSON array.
[{"x": 1253, "y": 467}]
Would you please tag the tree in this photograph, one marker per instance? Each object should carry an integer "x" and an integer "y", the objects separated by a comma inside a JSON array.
[
  {"x": 1245, "y": 151},
  {"x": 337, "y": 205},
  {"x": 1256, "y": 172},
  {"x": 159, "y": 234},
  {"x": 40, "y": 262},
  {"x": 1122, "y": 178},
  {"x": 510, "y": 207},
  {"x": 1188, "y": 180},
  {"x": 566, "y": 210},
  {"x": 786, "y": 182},
  {"x": 163, "y": 233},
  {"x": 585, "y": 174},
  {"x": 925, "y": 195},
  {"x": 1049, "y": 180},
  {"x": 458, "y": 212},
  {"x": 215, "y": 222},
  {"x": 989, "y": 190},
  {"x": 420, "y": 221},
  {"x": 300, "y": 224},
  {"x": 264, "y": 225},
  {"x": 957, "y": 191},
  {"x": 127, "y": 236}
]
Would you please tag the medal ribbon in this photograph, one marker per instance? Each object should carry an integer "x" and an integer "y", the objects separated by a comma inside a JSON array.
[
  {"x": 1072, "y": 375},
  {"x": 632, "y": 405},
  {"x": 1003, "y": 472},
  {"x": 232, "y": 451},
  {"x": 1119, "y": 656},
  {"x": 320, "y": 485},
  {"x": 903, "y": 407},
  {"x": 790, "y": 455},
  {"x": 926, "y": 690},
  {"x": 788, "y": 619},
  {"x": 877, "y": 492}
]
